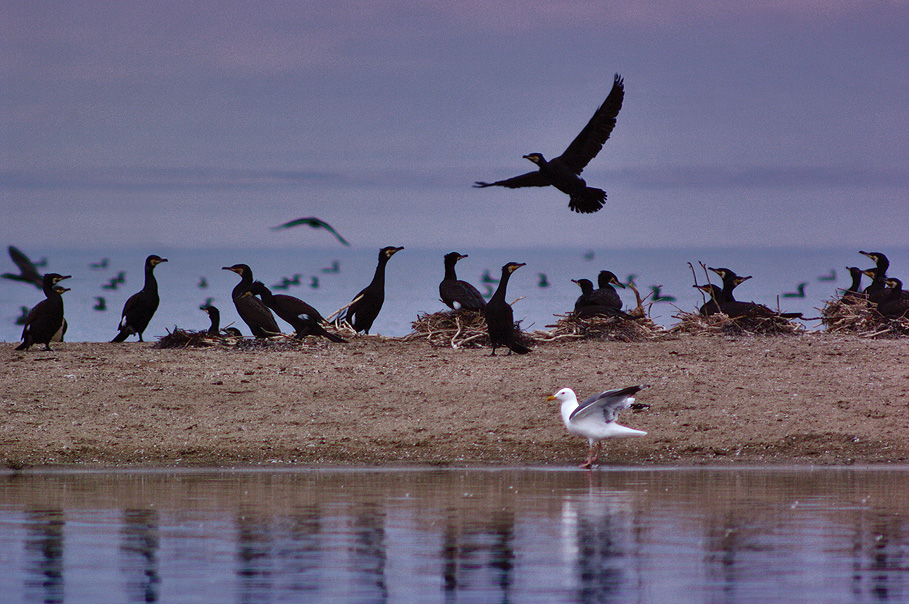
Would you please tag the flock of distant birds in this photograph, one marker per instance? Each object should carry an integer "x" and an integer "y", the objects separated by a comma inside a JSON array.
[{"x": 257, "y": 304}]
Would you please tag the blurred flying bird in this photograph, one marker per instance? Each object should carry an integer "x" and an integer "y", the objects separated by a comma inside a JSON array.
[
  {"x": 315, "y": 223},
  {"x": 28, "y": 272}
]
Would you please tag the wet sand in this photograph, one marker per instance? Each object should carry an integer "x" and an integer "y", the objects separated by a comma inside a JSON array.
[{"x": 808, "y": 399}]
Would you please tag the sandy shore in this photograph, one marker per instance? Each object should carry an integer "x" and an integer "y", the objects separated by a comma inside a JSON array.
[{"x": 813, "y": 398}]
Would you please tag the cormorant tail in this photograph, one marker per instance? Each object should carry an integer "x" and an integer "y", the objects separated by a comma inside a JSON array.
[{"x": 590, "y": 200}]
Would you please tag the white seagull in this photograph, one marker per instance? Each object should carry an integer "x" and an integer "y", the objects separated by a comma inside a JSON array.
[{"x": 594, "y": 418}]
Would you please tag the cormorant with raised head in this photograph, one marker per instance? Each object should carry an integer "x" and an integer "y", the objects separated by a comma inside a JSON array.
[
  {"x": 366, "y": 305},
  {"x": 730, "y": 281},
  {"x": 877, "y": 287},
  {"x": 215, "y": 328},
  {"x": 306, "y": 320},
  {"x": 46, "y": 318},
  {"x": 457, "y": 294},
  {"x": 500, "y": 317},
  {"x": 564, "y": 172},
  {"x": 253, "y": 312},
  {"x": 141, "y": 306}
]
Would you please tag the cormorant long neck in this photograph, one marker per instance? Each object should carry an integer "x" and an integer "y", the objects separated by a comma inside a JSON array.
[
  {"x": 151, "y": 284},
  {"x": 378, "y": 280},
  {"x": 450, "y": 274},
  {"x": 47, "y": 286},
  {"x": 856, "y": 279},
  {"x": 246, "y": 280},
  {"x": 215, "y": 315},
  {"x": 499, "y": 295}
]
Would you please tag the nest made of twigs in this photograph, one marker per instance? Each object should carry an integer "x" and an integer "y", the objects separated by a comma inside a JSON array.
[
  {"x": 451, "y": 328},
  {"x": 634, "y": 327},
  {"x": 748, "y": 325},
  {"x": 855, "y": 314},
  {"x": 182, "y": 338}
]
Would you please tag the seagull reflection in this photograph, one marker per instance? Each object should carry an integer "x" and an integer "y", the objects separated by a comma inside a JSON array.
[{"x": 139, "y": 554}]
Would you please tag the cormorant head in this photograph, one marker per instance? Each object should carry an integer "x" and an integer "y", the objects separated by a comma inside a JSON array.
[
  {"x": 453, "y": 257},
  {"x": 153, "y": 260},
  {"x": 240, "y": 269},
  {"x": 894, "y": 284},
  {"x": 536, "y": 158},
  {"x": 608, "y": 278},
  {"x": 52, "y": 279},
  {"x": 879, "y": 259},
  {"x": 869, "y": 273},
  {"x": 512, "y": 267},
  {"x": 388, "y": 252},
  {"x": 60, "y": 289},
  {"x": 586, "y": 285}
]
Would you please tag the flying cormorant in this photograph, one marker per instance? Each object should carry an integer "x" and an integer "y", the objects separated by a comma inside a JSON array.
[
  {"x": 500, "y": 317},
  {"x": 46, "y": 318},
  {"x": 141, "y": 306},
  {"x": 366, "y": 305},
  {"x": 253, "y": 312},
  {"x": 564, "y": 172},
  {"x": 28, "y": 272},
  {"x": 455, "y": 293},
  {"x": 306, "y": 320},
  {"x": 316, "y": 223}
]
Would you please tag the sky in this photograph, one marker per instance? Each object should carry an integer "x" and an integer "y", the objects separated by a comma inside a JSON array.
[{"x": 163, "y": 125}]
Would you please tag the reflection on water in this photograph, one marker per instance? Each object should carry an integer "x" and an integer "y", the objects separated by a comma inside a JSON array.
[{"x": 548, "y": 535}]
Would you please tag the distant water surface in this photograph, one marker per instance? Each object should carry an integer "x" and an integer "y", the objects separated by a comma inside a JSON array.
[
  {"x": 525, "y": 535},
  {"x": 412, "y": 282}
]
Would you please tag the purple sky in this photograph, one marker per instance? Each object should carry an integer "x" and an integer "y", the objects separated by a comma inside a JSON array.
[{"x": 204, "y": 123}]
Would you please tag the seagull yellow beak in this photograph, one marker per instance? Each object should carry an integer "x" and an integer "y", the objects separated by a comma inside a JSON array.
[{"x": 550, "y": 398}]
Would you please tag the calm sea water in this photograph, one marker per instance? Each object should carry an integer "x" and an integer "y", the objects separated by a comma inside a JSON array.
[
  {"x": 412, "y": 282},
  {"x": 827, "y": 535}
]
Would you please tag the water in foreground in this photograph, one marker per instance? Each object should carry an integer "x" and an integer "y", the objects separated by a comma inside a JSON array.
[{"x": 524, "y": 535}]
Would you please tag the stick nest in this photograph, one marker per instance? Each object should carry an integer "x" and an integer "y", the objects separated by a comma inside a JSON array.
[
  {"x": 635, "y": 328},
  {"x": 721, "y": 324},
  {"x": 857, "y": 315},
  {"x": 453, "y": 328},
  {"x": 182, "y": 338}
]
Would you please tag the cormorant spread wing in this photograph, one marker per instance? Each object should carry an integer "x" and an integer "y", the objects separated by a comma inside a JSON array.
[{"x": 316, "y": 223}]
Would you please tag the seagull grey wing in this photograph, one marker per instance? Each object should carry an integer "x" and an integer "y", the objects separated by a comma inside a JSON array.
[
  {"x": 609, "y": 402},
  {"x": 588, "y": 143},
  {"x": 531, "y": 179}
]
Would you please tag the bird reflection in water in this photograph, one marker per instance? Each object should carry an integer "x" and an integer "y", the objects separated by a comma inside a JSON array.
[
  {"x": 44, "y": 552},
  {"x": 139, "y": 554}
]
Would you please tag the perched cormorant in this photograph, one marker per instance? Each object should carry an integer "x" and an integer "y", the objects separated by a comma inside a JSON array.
[
  {"x": 316, "y": 223},
  {"x": 895, "y": 304},
  {"x": 306, "y": 320},
  {"x": 564, "y": 172},
  {"x": 500, "y": 317},
  {"x": 878, "y": 275},
  {"x": 28, "y": 272},
  {"x": 590, "y": 305},
  {"x": 734, "y": 308},
  {"x": 215, "y": 328},
  {"x": 366, "y": 305},
  {"x": 730, "y": 281},
  {"x": 605, "y": 295},
  {"x": 46, "y": 318},
  {"x": 455, "y": 293},
  {"x": 799, "y": 291},
  {"x": 252, "y": 310},
  {"x": 141, "y": 306}
]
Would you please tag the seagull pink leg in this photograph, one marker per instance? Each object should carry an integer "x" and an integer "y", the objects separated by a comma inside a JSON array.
[{"x": 590, "y": 457}]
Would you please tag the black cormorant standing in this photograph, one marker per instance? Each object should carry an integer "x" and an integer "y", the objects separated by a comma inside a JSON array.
[
  {"x": 500, "y": 317},
  {"x": 877, "y": 287},
  {"x": 58, "y": 337},
  {"x": 253, "y": 312},
  {"x": 564, "y": 172},
  {"x": 366, "y": 305},
  {"x": 455, "y": 293},
  {"x": 46, "y": 318},
  {"x": 306, "y": 320},
  {"x": 141, "y": 306}
]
